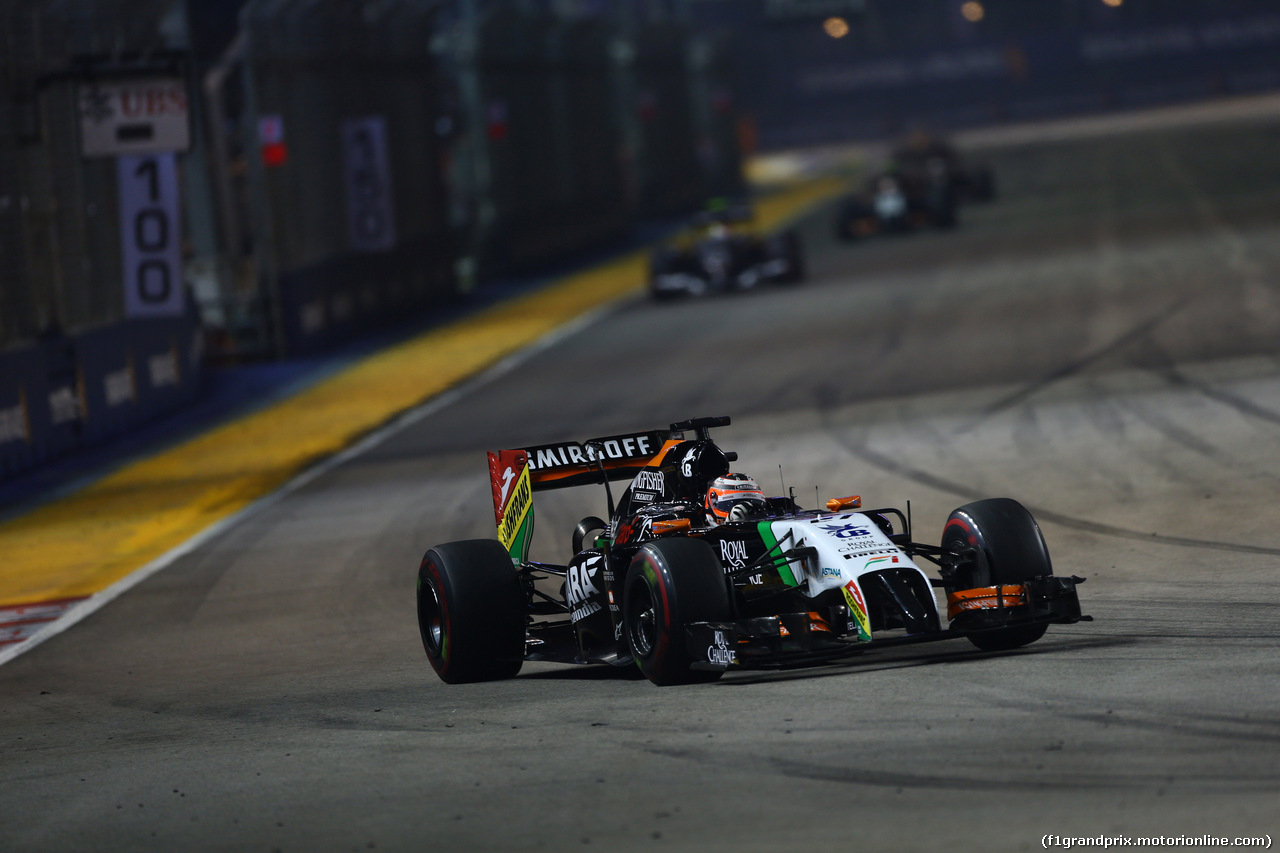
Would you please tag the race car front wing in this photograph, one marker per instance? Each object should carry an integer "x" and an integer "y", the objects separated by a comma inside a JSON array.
[{"x": 803, "y": 639}]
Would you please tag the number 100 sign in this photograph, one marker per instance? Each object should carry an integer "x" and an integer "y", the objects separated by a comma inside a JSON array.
[{"x": 150, "y": 238}]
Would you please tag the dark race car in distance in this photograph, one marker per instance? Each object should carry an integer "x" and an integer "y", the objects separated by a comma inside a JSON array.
[
  {"x": 720, "y": 252},
  {"x": 923, "y": 185},
  {"x": 661, "y": 586},
  {"x": 897, "y": 201},
  {"x": 924, "y": 152}
]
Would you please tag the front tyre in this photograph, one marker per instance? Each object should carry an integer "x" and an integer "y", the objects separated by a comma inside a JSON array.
[
  {"x": 941, "y": 206},
  {"x": 471, "y": 611},
  {"x": 671, "y": 583},
  {"x": 1005, "y": 546},
  {"x": 982, "y": 182}
]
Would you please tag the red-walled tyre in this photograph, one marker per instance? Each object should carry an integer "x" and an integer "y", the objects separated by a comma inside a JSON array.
[
  {"x": 471, "y": 611},
  {"x": 1008, "y": 548},
  {"x": 671, "y": 583}
]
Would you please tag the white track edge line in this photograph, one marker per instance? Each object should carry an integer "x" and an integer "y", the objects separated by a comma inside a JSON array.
[{"x": 98, "y": 600}]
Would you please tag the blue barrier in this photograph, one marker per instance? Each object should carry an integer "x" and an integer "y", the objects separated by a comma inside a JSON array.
[
  {"x": 68, "y": 392},
  {"x": 337, "y": 300}
]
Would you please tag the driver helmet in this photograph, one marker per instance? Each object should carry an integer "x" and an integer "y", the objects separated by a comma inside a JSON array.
[{"x": 733, "y": 497}]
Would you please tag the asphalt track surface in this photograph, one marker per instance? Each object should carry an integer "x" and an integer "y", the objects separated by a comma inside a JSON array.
[{"x": 1100, "y": 344}]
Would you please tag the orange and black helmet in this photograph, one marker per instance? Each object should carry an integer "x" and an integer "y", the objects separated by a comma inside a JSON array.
[{"x": 730, "y": 492}]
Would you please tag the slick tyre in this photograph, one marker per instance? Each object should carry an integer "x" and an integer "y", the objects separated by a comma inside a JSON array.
[
  {"x": 662, "y": 261},
  {"x": 671, "y": 583},
  {"x": 1008, "y": 548},
  {"x": 983, "y": 182},
  {"x": 787, "y": 246},
  {"x": 471, "y": 611},
  {"x": 942, "y": 208}
]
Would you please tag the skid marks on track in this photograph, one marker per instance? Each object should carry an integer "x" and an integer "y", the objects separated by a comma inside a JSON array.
[
  {"x": 860, "y": 448},
  {"x": 1077, "y": 366}
]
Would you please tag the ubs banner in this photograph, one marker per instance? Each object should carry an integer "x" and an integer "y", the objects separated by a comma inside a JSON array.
[
  {"x": 141, "y": 116},
  {"x": 143, "y": 123},
  {"x": 370, "y": 206},
  {"x": 150, "y": 242}
]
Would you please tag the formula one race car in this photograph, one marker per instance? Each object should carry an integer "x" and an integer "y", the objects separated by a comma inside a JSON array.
[
  {"x": 721, "y": 254},
  {"x": 923, "y": 152},
  {"x": 697, "y": 572},
  {"x": 924, "y": 184},
  {"x": 897, "y": 201}
]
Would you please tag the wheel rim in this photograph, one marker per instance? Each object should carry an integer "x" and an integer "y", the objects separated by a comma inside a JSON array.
[
  {"x": 431, "y": 618},
  {"x": 642, "y": 622}
]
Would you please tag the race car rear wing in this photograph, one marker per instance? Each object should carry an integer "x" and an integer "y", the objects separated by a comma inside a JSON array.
[
  {"x": 515, "y": 474},
  {"x": 616, "y": 457}
]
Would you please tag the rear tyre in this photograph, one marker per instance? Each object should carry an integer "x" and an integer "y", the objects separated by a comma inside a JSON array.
[
  {"x": 844, "y": 228},
  {"x": 788, "y": 247},
  {"x": 585, "y": 528},
  {"x": 1008, "y": 549},
  {"x": 471, "y": 611},
  {"x": 671, "y": 583},
  {"x": 662, "y": 261},
  {"x": 942, "y": 207}
]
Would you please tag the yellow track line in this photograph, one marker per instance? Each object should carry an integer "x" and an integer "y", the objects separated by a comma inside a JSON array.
[{"x": 89, "y": 540}]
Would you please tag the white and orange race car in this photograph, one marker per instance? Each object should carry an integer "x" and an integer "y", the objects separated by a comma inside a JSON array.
[{"x": 685, "y": 589}]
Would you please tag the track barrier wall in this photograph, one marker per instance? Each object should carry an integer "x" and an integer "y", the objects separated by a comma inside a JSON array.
[
  {"x": 906, "y": 63},
  {"x": 70, "y": 392},
  {"x": 77, "y": 365},
  {"x": 345, "y": 205},
  {"x": 347, "y": 166}
]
